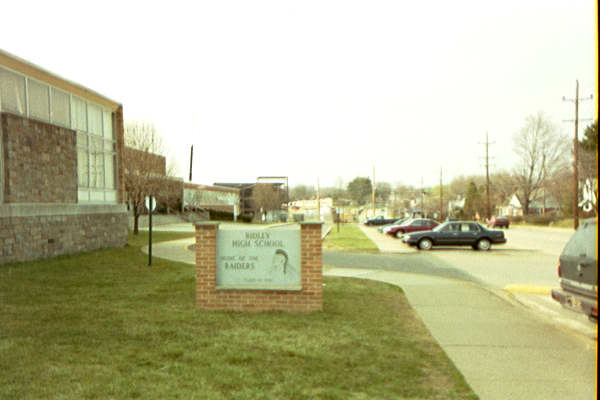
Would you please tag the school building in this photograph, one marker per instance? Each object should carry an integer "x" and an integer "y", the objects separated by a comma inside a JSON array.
[{"x": 61, "y": 172}]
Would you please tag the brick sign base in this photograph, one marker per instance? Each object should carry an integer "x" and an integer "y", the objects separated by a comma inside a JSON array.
[{"x": 309, "y": 298}]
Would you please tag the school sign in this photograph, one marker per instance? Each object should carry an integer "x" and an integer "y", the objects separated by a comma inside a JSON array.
[{"x": 259, "y": 269}]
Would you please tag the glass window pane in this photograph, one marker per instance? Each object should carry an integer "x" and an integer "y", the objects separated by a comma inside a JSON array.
[
  {"x": 61, "y": 111},
  {"x": 107, "y": 124},
  {"x": 79, "y": 113},
  {"x": 100, "y": 170},
  {"x": 96, "y": 196},
  {"x": 109, "y": 146},
  {"x": 95, "y": 119},
  {"x": 109, "y": 171},
  {"x": 12, "y": 92},
  {"x": 39, "y": 100},
  {"x": 110, "y": 196},
  {"x": 81, "y": 140},
  {"x": 96, "y": 162},
  {"x": 83, "y": 196},
  {"x": 82, "y": 167}
]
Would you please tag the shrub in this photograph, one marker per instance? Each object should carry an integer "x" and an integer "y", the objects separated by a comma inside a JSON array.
[
  {"x": 543, "y": 220},
  {"x": 215, "y": 215},
  {"x": 247, "y": 218}
]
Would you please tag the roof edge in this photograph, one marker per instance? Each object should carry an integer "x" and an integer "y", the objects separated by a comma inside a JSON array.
[{"x": 28, "y": 68}]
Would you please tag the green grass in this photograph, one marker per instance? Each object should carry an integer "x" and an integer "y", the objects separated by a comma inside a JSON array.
[
  {"x": 561, "y": 223},
  {"x": 350, "y": 237},
  {"x": 104, "y": 325}
]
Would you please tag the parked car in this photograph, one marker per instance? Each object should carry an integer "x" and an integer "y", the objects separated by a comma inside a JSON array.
[
  {"x": 578, "y": 271},
  {"x": 456, "y": 233},
  {"x": 379, "y": 220},
  {"x": 412, "y": 225},
  {"x": 384, "y": 228},
  {"x": 498, "y": 222}
]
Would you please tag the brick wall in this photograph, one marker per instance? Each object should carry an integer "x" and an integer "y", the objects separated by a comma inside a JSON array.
[
  {"x": 40, "y": 161},
  {"x": 309, "y": 298},
  {"x": 39, "y": 213},
  {"x": 142, "y": 162},
  {"x": 31, "y": 237}
]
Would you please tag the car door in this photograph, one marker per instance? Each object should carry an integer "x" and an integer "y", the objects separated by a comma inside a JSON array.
[
  {"x": 468, "y": 233},
  {"x": 430, "y": 224},
  {"x": 448, "y": 235},
  {"x": 414, "y": 226},
  {"x": 578, "y": 260}
]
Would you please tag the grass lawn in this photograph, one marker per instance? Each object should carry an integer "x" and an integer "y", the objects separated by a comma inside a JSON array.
[
  {"x": 103, "y": 325},
  {"x": 350, "y": 237}
]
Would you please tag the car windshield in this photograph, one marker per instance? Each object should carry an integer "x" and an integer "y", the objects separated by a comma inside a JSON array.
[
  {"x": 440, "y": 227},
  {"x": 407, "y": 222}
]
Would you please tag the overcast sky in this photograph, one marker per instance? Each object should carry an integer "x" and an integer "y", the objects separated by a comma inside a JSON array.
[{"x": 322, "y": 89}]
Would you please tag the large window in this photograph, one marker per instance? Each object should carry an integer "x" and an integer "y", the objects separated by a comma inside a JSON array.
[
  {"x": 96, "y": 144},
  {"x": 96, "y": 152},
  {"x": 12, "y": 92}
]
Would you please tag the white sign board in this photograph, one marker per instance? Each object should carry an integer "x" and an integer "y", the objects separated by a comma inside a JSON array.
[
  {"x": 259, "y": 259},
  {"x": 148, "y": 203}
]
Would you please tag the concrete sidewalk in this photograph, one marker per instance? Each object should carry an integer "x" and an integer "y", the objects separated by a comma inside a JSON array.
[{"x": 386, "y": 243}]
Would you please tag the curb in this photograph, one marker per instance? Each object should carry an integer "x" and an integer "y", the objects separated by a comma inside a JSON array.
[{"x": 529, "y": 289}]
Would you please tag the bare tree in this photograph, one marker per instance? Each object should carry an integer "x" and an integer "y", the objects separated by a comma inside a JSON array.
[
  {"x": 268, "y": 197},
  {"x": 541, "y": 152},
  {"x": 144, "y": 166}
]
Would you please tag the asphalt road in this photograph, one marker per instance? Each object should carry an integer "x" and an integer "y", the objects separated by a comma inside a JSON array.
[
  {"x": 525, "y": 267},
  {"x": 530, "y": 257}
]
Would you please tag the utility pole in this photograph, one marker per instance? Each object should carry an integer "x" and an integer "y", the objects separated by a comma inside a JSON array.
[
  {"x": 575, "y": 160},
  {"x": 488, "y": 210},
  {"x": 373, "y": 193},
  {"x": 441, "y": 197},
  {"x": 422, "y": 199},
  {"x": 191, "y": 158},
  {"x": 487, "y": 178},
  {"x": 318, "y": 200},
  {"x": 576, "y": 156}
]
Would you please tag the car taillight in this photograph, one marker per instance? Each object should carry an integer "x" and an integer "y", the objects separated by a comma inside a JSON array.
[{"x": 559, "y": 271}]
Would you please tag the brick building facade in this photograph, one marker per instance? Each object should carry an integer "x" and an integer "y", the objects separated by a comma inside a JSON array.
[
  {"x": 146, "y": 174},
  {"x": 61, "y": 175}
]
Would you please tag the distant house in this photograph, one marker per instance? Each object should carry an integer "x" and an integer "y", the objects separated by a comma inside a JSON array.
[
  {"x": 456, "y": 205},
  {"x": 216, "y": 198},
  {"x": 540, "y": 205},
  {"x": 249, "y": 194},
  {"x": 311, "y": 210}
]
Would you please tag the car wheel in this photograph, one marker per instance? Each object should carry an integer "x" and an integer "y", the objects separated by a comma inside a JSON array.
[
  {"x": 484, "y": 244},
  {"x": 399, "y": 234},
  {"x": 425, "y": 244}
]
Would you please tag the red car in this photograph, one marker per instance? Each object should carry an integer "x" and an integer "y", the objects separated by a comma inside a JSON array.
[
  {"x": 498, "y": 222},
  {"x": 412, "y": 225}
]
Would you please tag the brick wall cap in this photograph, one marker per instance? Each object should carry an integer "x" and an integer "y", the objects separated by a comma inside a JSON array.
[
  {"x": 207, "y": 223},
  {"x": 311, "y": 223}
]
